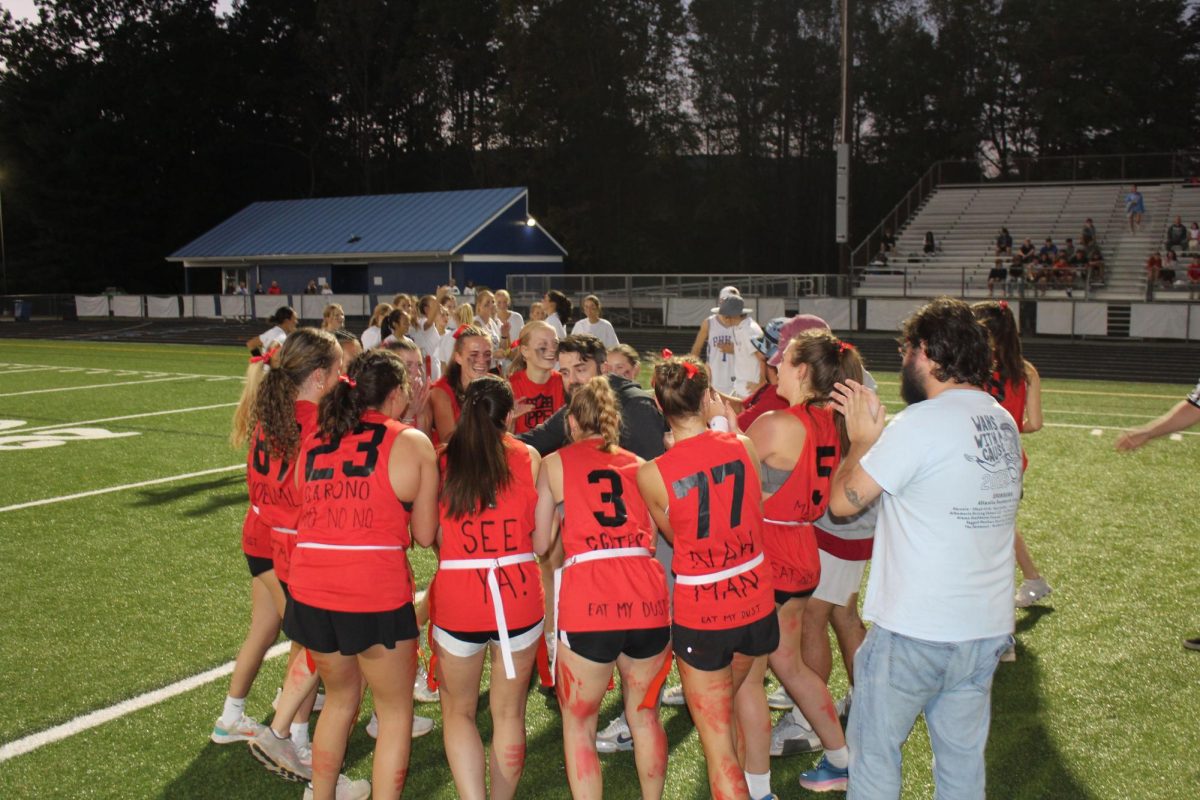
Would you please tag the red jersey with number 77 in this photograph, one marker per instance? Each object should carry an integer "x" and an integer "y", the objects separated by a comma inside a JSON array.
[
  {"x": 715, "y": 508},
  {"x": 604, "y": 511},
  {"x": 275, "y": 493},
  {"x": 353, "y": 532}
]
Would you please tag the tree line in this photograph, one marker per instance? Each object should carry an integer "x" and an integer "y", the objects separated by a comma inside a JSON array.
[{"x": 655, "y": 135}]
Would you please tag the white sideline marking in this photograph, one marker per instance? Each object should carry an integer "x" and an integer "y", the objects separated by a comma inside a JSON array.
[
  {"x": 50, "y": 500},
  {"x": 80, "y": 724},
  {"x": 1095, "y": 431},
  {"x": 20, "y": 370},
  {"x": 127, "y": 416},
  {"x": 121, "y": 372},
  {"x": 1086, "y": 392},
  {"x": 94, "y": 386}
]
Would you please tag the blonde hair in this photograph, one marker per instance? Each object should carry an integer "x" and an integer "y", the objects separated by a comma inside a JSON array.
[
  {"x": 256, "y": 370},
  {"x": 381, "y": 311},
  {"x": 464, "y": 314},
  {"x": 594, "y": 408},
  {"x": 518, "y": 361}
]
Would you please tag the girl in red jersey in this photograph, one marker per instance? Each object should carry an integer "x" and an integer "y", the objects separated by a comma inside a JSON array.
[
  {"x": 1017, "y": 387},
  {"x": 799, "y": 448},
  {"x": 486, "y": 590},
  {"x": 704, "y": 495},
  {"x": 612, "y": 603},
  {"x": 367, "y": 479},
  {"x": 471, "y": 359},
  {"x": 275, "y": 407},
  {"x": 536, "y": 385}
]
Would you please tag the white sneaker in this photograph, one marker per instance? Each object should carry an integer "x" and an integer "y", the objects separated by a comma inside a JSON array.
[
  {"x": 792, "y": 735},
  {"x": 421, "y": 726},
  {"x": 673, "y": 696},
  {"x": 1030, "y": 592},
  {"x": 780, "y": 700},
  {"x": 244, "y": 729},
  {"x": 421, "y": 691},
  {"x": 616, "y": 737},
  {"x": 346, "y": 789},
  {"x": 280, "y": 756}
]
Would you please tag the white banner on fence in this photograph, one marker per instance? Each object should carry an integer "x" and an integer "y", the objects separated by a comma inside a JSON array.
[
  {"x": 127, "y": 305},
  {"x": 888, "y": 315},
  {"x": 1054, "y": 318},
  {"x": 236, "y": 305},
  {"x": 267, "y": 304},
  {"x": 1194, "y": 325},
  {"x": 689, "y": 312},
  {"x": 835, "y": 311},
  {"x": 204, "y": 306},
  {"x": 1091, "y": 319},
  {"x": 86, "y": 306},
  {"x": 1161, "y": 321},
  {"x": 162, "y": 307},
  {"x": 312, "y": 306}
]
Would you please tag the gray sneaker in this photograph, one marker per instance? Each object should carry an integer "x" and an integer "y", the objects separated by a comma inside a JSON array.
[
  {"x": 791, "y": 736},
  {"x": 421, "y": 726},
  {"x": 280, "y": 756},
  {"x": 616, "y": 737},
  {"x": 346, "y": 790},
  {"x": 1031, "y": 592},
  {"x": 780, "y": 700}
]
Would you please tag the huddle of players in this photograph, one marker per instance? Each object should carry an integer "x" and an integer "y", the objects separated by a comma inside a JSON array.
[{"x": 341, "y": 488}]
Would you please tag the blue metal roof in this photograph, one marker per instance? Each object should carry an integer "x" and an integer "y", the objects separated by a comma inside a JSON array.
[{"x": 426, "y": 222}]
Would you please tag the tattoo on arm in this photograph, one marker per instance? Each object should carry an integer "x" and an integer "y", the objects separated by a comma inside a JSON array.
[{"x": 854, "y": 499}]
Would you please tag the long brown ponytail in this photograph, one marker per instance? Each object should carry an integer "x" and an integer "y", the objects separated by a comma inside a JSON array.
[
  {"x": 476, "y": 460},
  {"x": 594, "y": 408},
  {"x": 370, "y": 378},
  {"x": 303, "y": 352},
  {"x": 830, "y": 361}
]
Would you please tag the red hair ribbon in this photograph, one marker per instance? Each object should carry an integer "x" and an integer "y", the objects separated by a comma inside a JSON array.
[
  {"x": 460, "y": 331},
  {"x": 844, "y": 346},
  {"x": 346, "y": 379},
  {"x": 667, "y": 353},
  {"x": 265, "y": 358},
  {"x": 1004, "y": 305},
  {"x": 690, "y": 368}
]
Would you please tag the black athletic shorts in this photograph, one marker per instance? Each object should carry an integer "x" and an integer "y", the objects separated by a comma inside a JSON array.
[
  {"x": 711, "y": 650},
  {"x": 348, "y": 632},
  {"x": 603, "y": 647},
  {"x": 484, "y": 637},
  {"x": 997, "y": 274},
  {"x": 258, "y": 565},
  {"x": 287, "y": 593},
  {"x": 782, "y": 597}
]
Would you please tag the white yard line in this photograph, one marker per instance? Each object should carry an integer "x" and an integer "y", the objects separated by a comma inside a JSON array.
[
  {"x": 32, "y": 742},
  {"x": 97, "y": 386},
  {"x": 20, "y": 370},
  {"x": 51, "y": 500},
  {"x": 127, "y": 416},
  {"x": 1084, "y": 427},
  {"x": 1179, "y": 396}
]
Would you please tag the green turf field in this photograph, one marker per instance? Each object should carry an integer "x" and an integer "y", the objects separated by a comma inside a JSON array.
[{"x": 110, "y": 596}]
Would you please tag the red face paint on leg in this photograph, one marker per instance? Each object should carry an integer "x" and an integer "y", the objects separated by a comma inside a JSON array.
[
  {"x": 563, "y": 684},
  {"x": 587, "y": 763},
  {"x": 514, "y": 757},
  {"x": 401, "y": 777}
]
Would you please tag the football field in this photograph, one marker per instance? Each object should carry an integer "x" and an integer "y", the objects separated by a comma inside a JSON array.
[{"x": 123, "y": 580}]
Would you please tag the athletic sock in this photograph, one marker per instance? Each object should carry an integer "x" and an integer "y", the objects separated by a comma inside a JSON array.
[
  {"x": 234, "y": 708},
  {"x": 299, "y": 733},
  {"x": 759, "y": 784},
  {"x": 839, "y": 758}
]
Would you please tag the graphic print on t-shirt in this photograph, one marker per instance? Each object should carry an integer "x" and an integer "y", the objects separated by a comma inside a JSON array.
[{"x": 998, "y": 455}]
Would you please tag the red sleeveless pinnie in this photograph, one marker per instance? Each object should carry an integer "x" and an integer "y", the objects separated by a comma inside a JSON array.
[
  {"x": 275, "y": 494},
  {"x": 546, "y": 398}
]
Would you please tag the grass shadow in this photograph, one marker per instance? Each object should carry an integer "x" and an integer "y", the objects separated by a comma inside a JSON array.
[{"x": 232, "y": 488}]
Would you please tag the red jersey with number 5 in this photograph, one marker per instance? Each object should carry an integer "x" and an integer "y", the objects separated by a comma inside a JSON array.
[
  {"x": 603, "y": 511},
  {"x": 715, "y": 507},
  {"x": 460, "y": 599},
  {"x": 350, "y": 553},
  {"x": 804, "y": 496},
  {"x": 275, "y": 495},
  {"x": 546, "y": 398}
]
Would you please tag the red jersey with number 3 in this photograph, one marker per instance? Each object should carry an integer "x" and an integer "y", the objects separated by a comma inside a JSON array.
[
  {"x": 350, "y": 553},
  {"x": 460, "y": 599},
  {"x": 603, "y": 511},
  {"x": 1011, "y": 397},
  {"x": 546, "y": 398},
  {"x": 715, "y": 507},
  {"x": 275, "y": 493},
  {"x": 803, "y": 498}
]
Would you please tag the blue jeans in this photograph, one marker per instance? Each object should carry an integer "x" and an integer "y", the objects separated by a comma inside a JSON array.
[{"x": 895, "y": 679}]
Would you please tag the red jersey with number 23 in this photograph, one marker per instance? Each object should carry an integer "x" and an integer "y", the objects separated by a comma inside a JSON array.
[
  {"x": 350, "y": 553},
  {"x": 546, "y": 398},
  {"x": 604, "y": 511},
  {"x": 715, "y": 507},
  {"x": 460, "y": 599},
  {"x": 803, "y": 498},
  {"x": 275, "y": 493}
]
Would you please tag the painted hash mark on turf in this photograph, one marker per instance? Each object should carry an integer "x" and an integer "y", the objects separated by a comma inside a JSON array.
[
  {"x": 32, "y": 742},
  {"x": 131, "y": 416}
]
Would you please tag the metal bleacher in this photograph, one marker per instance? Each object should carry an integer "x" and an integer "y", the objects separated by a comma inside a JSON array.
[{"x": 965, "y": 220}]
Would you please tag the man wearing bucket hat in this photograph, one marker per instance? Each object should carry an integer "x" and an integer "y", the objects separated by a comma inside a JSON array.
[{"x": 733, "y": 362}]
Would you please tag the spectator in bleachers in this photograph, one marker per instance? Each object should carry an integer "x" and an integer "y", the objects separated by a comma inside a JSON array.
[
  {"x": 1048, "y": 253},
  {"x": 998, "y": 274},
  {"x": 1027, "y": 251},
  {"x": 1068, "y": 250},
  {"x": 311, "y": 288},
  {"x": 1135, "y": 207},
  {"x": 1016, "y": 275},
  {"x": 1004, "y": 243},
  {"x": 1193, "y": 245},
  {"x": 274, "y": 288},
  {"x": 1041, "y": 274},
  {"x": 1062, "y": 275},
  {"x": 1079, "y": 261},
  {"x": 930, "y": 244},
  {"x": 1088, "y": 236},
  {"x": 1153, "y": 267},
  {"x": 241, "y": 288},
  {"x": 1194, "y": 277},
  {"x": 887, "y": 242},
  {"x": 1167, "y": 273},
  {"x": 1177, "y": 235},
  {"x": 881, "y": 258},
  {"x": 1095, "y": 264}
]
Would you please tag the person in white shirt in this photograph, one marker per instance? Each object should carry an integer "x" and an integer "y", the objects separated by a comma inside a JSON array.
[
  {"x": 284, "y": 321},
  {"x": 602, "y": 329},
  {"x": 511, "y": 324},
  {"x": 948, "y": 474},
  {"x": 485, "y": 318},
  {"x": 558, "y": 308},
  {"x": 373, "y": 335},
  {"x": 427, "y": 334},
  {"x": 728, "y": 338}
]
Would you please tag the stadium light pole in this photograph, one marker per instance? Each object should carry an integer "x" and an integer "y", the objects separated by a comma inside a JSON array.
[{"x": 842, "y": 211}]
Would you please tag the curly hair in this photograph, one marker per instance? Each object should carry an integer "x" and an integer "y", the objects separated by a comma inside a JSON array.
[
  {"x": 680, "y": 390},
  {"x": 954, "y": 340},
  {"x": 302, "y": 353},
  {"x": 594, "y": 408}
]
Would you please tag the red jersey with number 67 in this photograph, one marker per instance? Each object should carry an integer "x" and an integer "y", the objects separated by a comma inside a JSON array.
[
  {"x": 715, "y": 507},
  {"x": 546, "y": 398},
  {"x": 604, "y": 511},
  {"x": 803, "y": 498},
  {"x": 1011, "y": 397},
  {"x": 275, "y": 493},
  {"x": 460, "y": 599},
  {"x": 350, "y": 553}
]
